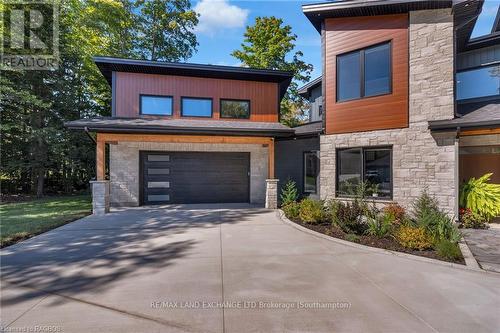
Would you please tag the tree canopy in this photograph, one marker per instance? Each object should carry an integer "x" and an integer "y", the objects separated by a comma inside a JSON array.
[{"x": 270, "y": 44}]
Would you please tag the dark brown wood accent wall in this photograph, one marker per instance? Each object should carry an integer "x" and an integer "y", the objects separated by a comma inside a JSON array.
[
  {"x": 263, "y": 96},
  {"x": 372, "y": 113}
]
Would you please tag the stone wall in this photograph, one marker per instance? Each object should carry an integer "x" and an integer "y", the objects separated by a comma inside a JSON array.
[
  {"x": 124, "y": 167},
  {"x": 420, "y": 160}
]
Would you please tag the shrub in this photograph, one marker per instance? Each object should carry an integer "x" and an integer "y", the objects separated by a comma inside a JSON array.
[
  {"x": 349, "y": 218},
  {"x": 444, "y": 229},
  {"x": 289, "y": 193},
  {"x": 380, "y": 226},
  {"x": 332, "y": 207},
  {"x": 469, "y": 219},
  {"x": 311, "y": 211},
  {"x": 352, "y": 238},
  {"x": 415, "y": 238},
  {"x": 292, "y": 210},
  {"x": 448, "y": 250},
  {"x": 396, "y": 211},
  {"x": 423, "y": 206},
  {"x": 481, "y": 197}
]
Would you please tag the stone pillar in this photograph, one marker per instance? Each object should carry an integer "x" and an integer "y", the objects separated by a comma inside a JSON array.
[
  {"x": 100, "y": 197},
  {"x": 272, "y": 193}
]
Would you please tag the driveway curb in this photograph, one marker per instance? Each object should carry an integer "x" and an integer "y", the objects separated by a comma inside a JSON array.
[{"x": 283, "y": 218}]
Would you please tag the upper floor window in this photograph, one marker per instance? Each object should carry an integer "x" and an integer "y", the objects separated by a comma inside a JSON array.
[
  {"x": 364, "y": 73},
  {"x": 196, "y": 107},
  {"x": 480, "y": 82},
  {"x": 156, "y": 105},
  {"x": 230, "y": 108}
]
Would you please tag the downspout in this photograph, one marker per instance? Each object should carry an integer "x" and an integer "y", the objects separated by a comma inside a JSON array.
[
  {"x": 457, "y": 172},
  {"x": 86, "y": 129}
]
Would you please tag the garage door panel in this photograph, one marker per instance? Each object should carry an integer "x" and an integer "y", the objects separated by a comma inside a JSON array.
[{"x": 195, "y": 177}]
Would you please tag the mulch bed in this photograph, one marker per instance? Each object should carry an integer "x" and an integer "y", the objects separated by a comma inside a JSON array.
[{"x": 387, "y": 243}]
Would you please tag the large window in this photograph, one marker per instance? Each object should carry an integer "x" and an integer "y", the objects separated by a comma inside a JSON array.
[
  {"x": 481, "y": 82},
  {"x": 364, "y": 73},
  {"x": 311, "y": 168},
  {"x": 196, "y": 107},
  {"x": 369, "y": 165},
  {"x": 156, "y": 105},
  {"x": 231, "y": 108}
]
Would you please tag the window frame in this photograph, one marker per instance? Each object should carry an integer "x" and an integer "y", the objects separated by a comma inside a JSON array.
[
  {"x": 304, "y": 171},
  {"x": 141, "y": 112},
  {"x": 363, "y": 170},
  {"x": 361, "y": 52},
  {"x": 475, "y": 99},
  {"x": 235, "y": 100},
  {"x": 198, "y": 98}
]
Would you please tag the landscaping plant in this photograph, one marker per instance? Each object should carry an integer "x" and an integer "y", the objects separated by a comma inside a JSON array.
[
  {"x": 481, "y": 196},
  {"x": 423, "y": 207},
  {"x": 311, "y": 211},
  {"x": 292, "y": 210},
  {"x": 380, "y": 226},
  {"x": 415, "y": 238},
  {"x": 396, "y": 211},
  {"x": 349, "y": 218},
  {"x": 448, "y": 250},
  {"x": 289, "y": 193},
  {"x": 352, "y": 238},
  {"x": 469, "y": 219}
]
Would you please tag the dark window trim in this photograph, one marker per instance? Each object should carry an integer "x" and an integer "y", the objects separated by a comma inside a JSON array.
[
  {"x": 304, "y": 153},
  {"x": 362, "y": 169},
  {"x": 362, "y": 72},
  {"x": 235, "y": 100},
  {"x": 153, "y": 114},
  {"x": 490, "y": 64},
  {"x": 199, "y": 98},
  {"x": 480, "y": 98}
]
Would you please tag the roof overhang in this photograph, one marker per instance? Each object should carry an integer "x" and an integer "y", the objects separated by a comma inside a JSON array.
[
  {"x": 479, "y": 115},
  {"x": 316, "y": 13},
  {"x": 108, "y": 65},
  {"x": 305, "y": 89},
  {"x": 174, "y": 126}
]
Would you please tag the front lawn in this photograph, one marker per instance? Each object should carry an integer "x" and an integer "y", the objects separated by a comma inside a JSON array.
[{"x": 22, "y": 220}]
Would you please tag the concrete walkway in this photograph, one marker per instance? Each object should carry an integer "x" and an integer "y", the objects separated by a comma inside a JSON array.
[
  {"x": 485, "y": 246},
  {"x": 170, "y": 270}
]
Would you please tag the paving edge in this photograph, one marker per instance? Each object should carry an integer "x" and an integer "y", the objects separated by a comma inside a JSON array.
[
  {"x": 283, "y": 218},
  {"x": 469, "y": 258}
]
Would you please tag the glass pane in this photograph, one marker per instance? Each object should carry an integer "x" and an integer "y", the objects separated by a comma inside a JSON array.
[
  {"x": 159, "y": 158},
  {"x": 348, "y": 76},
  {"x": 156, "y": 105},
  {"x": 158, "y": 184},
  {"x": 165, "y": 171},
  {"x": 234, "y": 109},
  {"x": 378, "y": 70},
  {"x": 158, "y": 197},
  {"x": 349, "y": 171},
  {"x": 311, "y": 172},
  {"x": 378, "y": 172},
  {"x": 194, "y": 107},
  {"x": 478, "y": 82}
]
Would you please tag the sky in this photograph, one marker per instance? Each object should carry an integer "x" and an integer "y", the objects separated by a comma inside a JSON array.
[{"x": 223, "y": 22}]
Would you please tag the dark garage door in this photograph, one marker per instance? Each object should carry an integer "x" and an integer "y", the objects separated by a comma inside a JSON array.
[{"x": 194, "y": 177}]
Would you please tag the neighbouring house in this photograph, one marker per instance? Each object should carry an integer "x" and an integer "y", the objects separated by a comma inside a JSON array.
[
  {"x": 409, "y": 101},
  {"x": 187, "y": 133}
]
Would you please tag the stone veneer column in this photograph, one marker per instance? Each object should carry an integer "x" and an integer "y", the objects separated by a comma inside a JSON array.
[
  {"x": 100, "y": 197},
  {"x": 271, "y": 193}
]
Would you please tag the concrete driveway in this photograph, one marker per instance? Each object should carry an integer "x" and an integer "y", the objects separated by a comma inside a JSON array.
[{"x": 170, "y": 269}]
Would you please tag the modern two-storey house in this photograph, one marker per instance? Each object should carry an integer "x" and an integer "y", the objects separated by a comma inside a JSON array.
[
  {"x": 185, "y": 133},
  {"x": 409, "y": 102}
]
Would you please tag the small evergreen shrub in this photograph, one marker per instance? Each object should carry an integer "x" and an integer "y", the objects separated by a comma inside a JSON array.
[
  {"x": 311, "y": 211},
  {"x": 423, "y": 206},
  {"x": 448, "y": 250},
  {"x": 292, "y": 210},
  {"x": 415, "y": 238},
  {"x": 469, "y": 219},
  {"x": 289, "y": 193},
  {"x": 332, "y": 207}
]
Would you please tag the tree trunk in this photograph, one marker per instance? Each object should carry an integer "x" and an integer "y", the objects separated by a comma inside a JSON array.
[{"x": 39, "y": 182}]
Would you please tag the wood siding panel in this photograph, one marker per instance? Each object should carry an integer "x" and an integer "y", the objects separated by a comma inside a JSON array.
[
  {"x": 263, "y": 96},
  {"x": 371, "y": 113}
]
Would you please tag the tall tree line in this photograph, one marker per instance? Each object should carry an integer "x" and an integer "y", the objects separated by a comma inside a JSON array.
[{"x": 37, "y": 154}]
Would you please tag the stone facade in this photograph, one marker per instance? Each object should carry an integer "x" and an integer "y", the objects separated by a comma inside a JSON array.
[
  {"x": 124, "y": 167},
  {"x": 100, "y": 197},
  {"x": 420, "y": 160},
  {"x": 271, "y": 193}
]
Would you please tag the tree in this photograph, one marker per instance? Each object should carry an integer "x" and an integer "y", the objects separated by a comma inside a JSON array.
[
  {"x": 269, "y": 44},
  {"x": 165, "y": 29}
]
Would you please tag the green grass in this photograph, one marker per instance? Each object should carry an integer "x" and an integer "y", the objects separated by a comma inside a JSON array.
[{"x": 21, "y": 220}]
